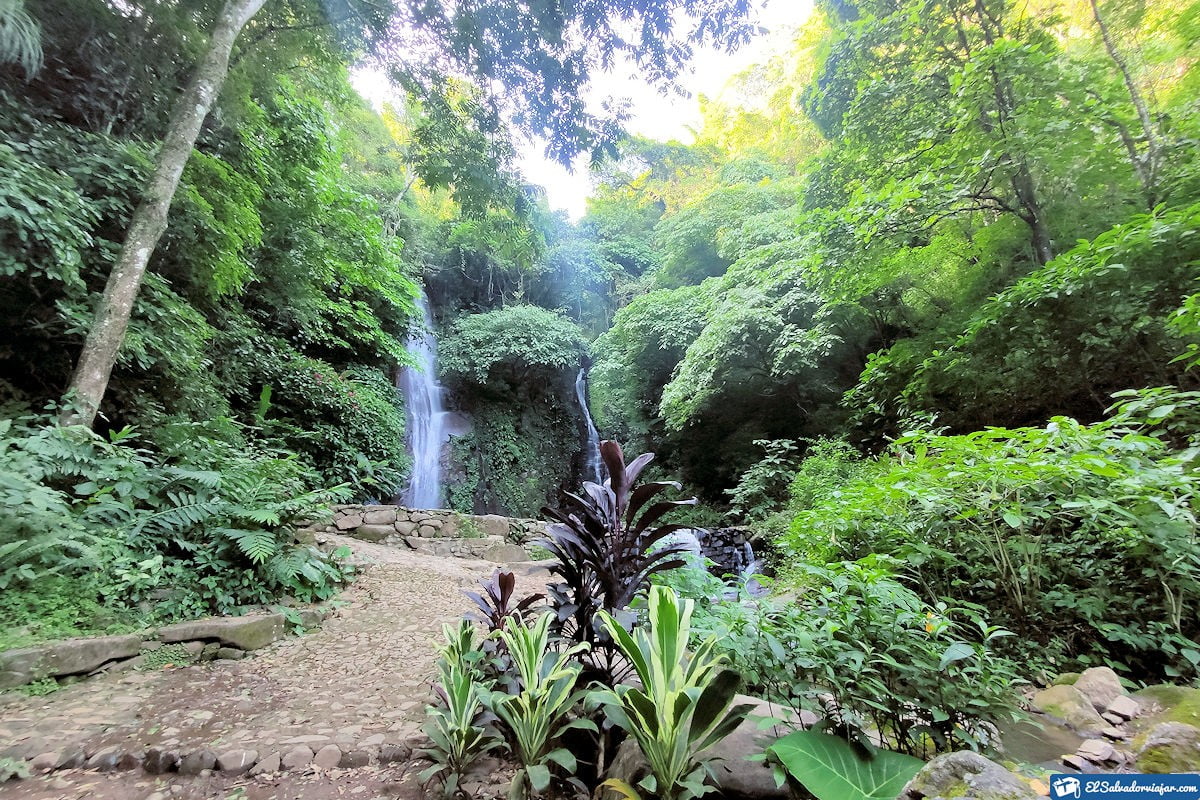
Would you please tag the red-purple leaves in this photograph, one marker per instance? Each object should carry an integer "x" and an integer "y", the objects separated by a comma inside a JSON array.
[
  {"x": 494, "y": 602},
  {"x": 602, "y": 539}
]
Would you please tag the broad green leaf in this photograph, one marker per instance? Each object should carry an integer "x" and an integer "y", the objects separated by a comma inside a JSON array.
[{"x": 829, "y": 768}]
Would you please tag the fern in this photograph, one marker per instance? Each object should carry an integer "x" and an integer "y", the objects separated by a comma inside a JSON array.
[{"x": 256, "y": 544}]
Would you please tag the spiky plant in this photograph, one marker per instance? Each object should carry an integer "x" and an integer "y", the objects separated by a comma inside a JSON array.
[{"x": 604, "y": 546}]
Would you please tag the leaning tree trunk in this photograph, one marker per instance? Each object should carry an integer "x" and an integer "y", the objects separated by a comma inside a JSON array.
[
  {"x": 107, "y": 333},
  {"x": 1147, "y": 167}
]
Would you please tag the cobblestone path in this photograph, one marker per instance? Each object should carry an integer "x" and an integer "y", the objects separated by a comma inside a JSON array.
[{"x": 360, "y": 682}]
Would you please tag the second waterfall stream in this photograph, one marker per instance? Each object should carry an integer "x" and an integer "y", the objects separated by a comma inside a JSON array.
[{"x": 592, "y": 453}]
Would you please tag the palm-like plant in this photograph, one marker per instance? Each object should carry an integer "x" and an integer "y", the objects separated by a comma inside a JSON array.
[
  {"x": 536, "y": 715},
  {"x": 603, "y": 542},
  {"x": 682, "y": 706}
]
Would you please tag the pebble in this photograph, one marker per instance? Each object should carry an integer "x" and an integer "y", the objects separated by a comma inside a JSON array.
[
  {"x": 267, "y": 765},
  {"x": 236, "y": 762},
  {"x": 297, "y": 758}
]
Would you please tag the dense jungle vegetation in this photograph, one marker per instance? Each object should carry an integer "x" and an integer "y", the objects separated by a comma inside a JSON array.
[{"x": 917, "y": 305}]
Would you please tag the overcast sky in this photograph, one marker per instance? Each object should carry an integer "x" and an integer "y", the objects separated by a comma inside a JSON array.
[{"x": 653, "y": 115}]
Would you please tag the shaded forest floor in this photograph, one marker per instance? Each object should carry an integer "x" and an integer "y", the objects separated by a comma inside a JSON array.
[{"x": 359, "y": 682}]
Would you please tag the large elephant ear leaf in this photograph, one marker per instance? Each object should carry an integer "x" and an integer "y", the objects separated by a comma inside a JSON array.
[{"x": 830, "y": 768}]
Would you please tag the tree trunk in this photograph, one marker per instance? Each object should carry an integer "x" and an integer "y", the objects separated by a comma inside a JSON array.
[
  {"x": 1148, "y": 166},
  {"x": 107, "y": 333}
]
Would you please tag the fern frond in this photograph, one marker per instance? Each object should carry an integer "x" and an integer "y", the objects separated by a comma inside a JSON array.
[{"x": 256, "y": 544}]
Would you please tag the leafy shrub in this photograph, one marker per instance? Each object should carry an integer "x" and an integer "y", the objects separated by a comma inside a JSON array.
[
  {"x": 683, "y": 703},
  {"x": 207, "y": 521},
  {"x": 764, "y": 487},
  {"x": 536, "y": 713},
  {"x": 866, "y": 654},
  {"x": 516, "y": 344},
  {"x": 1079, "y": 538},
  {"x": 457, "y": 727},
  {"x": 602, "y": 545}
]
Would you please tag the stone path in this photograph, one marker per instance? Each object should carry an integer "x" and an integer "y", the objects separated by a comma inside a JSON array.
[{"x": 360, "y": 682}]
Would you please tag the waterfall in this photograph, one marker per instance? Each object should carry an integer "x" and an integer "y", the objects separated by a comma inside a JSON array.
[
  {"x": 426, "y": 415},
  {"x": 592, "y": 472}
]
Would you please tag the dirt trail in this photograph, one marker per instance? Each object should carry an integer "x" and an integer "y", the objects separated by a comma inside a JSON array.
[{"x": 361, "y": 682}]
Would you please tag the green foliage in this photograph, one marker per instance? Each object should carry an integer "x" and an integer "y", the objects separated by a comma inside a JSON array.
[
  {"x": 12, "y": 769},
  {"x": 1079, "y": 538},
  {"x": 866, "y": 654},
  {"x": 1064, "y": 338},
  {"x": 764, "y": 487},
  {"x": 169, "y": 655},
  {"x": 456, "y": 729},
  {"x": 683, "y": 703},
  {"x": 518, "y": 344},
  {"x": 831, "y": 769},
  {"x": 536, "y": 713},
  {"x": 205, "y": 518}
]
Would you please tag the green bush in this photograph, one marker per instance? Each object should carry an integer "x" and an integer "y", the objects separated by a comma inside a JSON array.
[
  {"x": 866, "y": 654},
  {"x": 1079, "y": 538},
  {"x": 204, "y": 521}
]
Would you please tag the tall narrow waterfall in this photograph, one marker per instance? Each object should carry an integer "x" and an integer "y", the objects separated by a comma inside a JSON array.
[
  {"x": 426, "y": 416},
  {"x": 592, "y": 470}
]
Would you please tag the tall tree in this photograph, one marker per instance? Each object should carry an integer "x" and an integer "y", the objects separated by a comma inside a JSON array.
[
  {"x": 104, "y": 339},
  {"x": 542, "y": 54}
]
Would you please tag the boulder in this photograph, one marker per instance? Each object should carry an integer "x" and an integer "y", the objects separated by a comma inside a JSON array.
[
  {"x": 383, "y": 515},
  {"x": 373, "y": 533},
  {"x": 1170, "y": 703},
  {"x": 392, "y": 753},
  {"x": 77, "y": 656},
  {"x": 1097, "y": 751},
  {"x": 966, "y": 774},
  {"x": 21, "y": 666},
  {"x": 346, "y": 522},
  {"x": 68, "y": 657},
  {"x": 1170, "y": 747},
  {"x": 406, "y": 527},
  {"x": 43, "y": 763},
  {"x": 492, "y": 525},
  {"x": 245, "y": 633},
  {"x": 449, "y": 527},
  {"x": 354, "y": 758},
  {"x": 105, "y": 760},
  {"x": 1071, "y": 706},
  {"x": 1066, "y": 679},
  {"x": 1100, "y": 685},
  {"x": 505, "y": 553},
  {"x": 158, "y": 762},
  {"x": 1124, "y": 707},
  {"x": 328, "y": 756}
]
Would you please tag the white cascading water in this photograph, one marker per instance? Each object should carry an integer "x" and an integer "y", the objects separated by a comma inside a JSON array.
[
  {"x": 592, "y": 469},
  {"x": 426, "y": 415}
]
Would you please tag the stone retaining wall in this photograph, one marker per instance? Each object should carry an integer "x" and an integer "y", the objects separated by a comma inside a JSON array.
[
  {"x": 435, "y": 531},
  {"x": 201, "y": 640}
]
